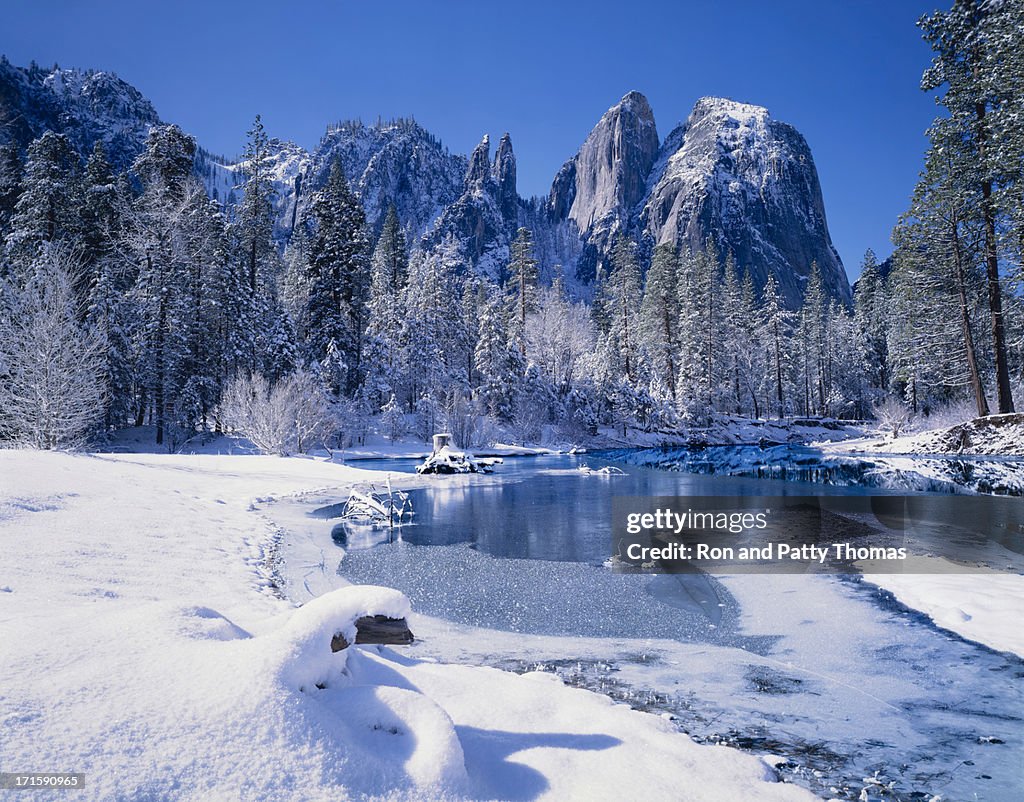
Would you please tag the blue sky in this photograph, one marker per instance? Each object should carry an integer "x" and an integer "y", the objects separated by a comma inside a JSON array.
[{"x": 845, "y": 74}]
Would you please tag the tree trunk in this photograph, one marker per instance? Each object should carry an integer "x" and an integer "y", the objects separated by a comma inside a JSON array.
[
  {"x": 1004, "y": 395},
  {"x": 965, "y": 321}
]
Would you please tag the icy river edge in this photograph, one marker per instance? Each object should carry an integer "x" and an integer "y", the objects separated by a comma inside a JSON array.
[{"x": 832, "y": 680}]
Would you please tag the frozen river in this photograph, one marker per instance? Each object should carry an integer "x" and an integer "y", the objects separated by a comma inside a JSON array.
[{"x": 842, "y": 687}]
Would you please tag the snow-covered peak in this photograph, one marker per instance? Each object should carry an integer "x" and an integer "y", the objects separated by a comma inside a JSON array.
[
  {"x": 391, "y": 162},
  {"x": 733, "y": 174},
  {"x": 720, "y": 107},
  {"x": 85, "y": 105}
]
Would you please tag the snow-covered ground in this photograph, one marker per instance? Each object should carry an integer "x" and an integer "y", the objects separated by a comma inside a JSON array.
[
  {"x": 982, "y": 607},
  {"x": 145, "y": 644},
  {"x": 993, "y": 435}
]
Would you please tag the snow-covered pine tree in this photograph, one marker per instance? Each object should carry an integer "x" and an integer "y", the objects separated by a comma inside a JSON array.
[
  {"x": 776, "y": 333},
  {"x": 659, "y": 315},
  {"x": 254, "y": 216},
  {"x": 810, "y": 337},
  {"x": 729, "y": 390},
  {"x": 870, "y": 309},
  {"x": 522, "y": 284},
  {"x": 968, "y": 40},
  {"x": 11, "y": 168},
  {"x": 170, "y": 233},
  {"x": 432, "y": 359},
  {"x": 497, "y": 362},
  {"x": 699, "y": 324},
  {"x": 337, "y": 261},
  {"x": 385, "y": 311},
  {"x": 940, "y": 226},
  {"x": 848, "y": 394},
  {"x": 46, "y": 211},
  {"x": 621, "y": 292}
]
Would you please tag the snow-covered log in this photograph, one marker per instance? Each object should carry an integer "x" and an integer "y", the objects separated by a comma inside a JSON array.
[{"x": 376, "y": 629}]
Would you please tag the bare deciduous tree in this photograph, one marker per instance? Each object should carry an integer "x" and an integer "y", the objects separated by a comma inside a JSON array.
[
  {"x": 288, "y": 417},
  {"x": 52, "y": 388}
]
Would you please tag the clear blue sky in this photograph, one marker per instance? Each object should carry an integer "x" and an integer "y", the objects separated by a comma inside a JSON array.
[{"x": 844, "y": 73}]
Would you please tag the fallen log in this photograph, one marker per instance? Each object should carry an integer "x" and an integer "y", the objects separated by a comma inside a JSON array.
[{"x": 379, "y": 629}]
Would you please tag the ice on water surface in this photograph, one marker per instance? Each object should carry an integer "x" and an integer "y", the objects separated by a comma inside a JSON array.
[{"x": 830, "y": 675}]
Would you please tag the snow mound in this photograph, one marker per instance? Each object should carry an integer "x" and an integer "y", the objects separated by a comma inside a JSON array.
[
  {"x": 302, "y": 648},
  {"x": 995, "y": 434}
]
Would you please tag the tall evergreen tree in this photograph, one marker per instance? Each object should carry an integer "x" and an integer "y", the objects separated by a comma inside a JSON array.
[
  {"x": 385, "y": 310},
  {"x": 939, "y": 239},
  {"x": 968, "y": 40},
  {"x": 776, "y": 325},
  {"x": 11, "y": 169},
  {"x": 659, "y": 314},
  {"x": 871, "y": 313},
  {"x": 338, "y": 280},
  {"x": 522, "y": 271},
  {"x": 46, "y": 211},
  {"x": 621, "y": 295}
]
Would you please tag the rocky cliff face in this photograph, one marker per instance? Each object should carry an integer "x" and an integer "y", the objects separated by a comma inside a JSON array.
[
  {"x": 85, "y": 105},
  {"x": 729, "y": 174},
  {"x": 732, "y": 175},
  {"x": 480, "y": 225},
  {"x": 598, "y": 188}
]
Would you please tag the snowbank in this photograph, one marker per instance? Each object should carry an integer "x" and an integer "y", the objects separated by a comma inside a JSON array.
[
  {"x": 993, "y": 435},
  {"x": 146, "y": 646},
  {"x": 981, "y": 607}
]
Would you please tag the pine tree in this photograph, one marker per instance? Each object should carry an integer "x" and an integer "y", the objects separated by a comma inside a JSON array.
[
  {"x": 171, "y": 232},
  {"x": 939, "y": 227},
  {"x": 338, "y": 278},
  {"x": 11, "y": 169},
  {"x": 622, "y": 291},
  {"x": 522, "y": 282},
  {"x": 497, "y": 363},
  {"x": 46, "y": 211},
  {"x": 659, "y": 314},
  {"x": 385, "y": 310},
  {"x": 254, "y": 223},
  {"x": 870, "y": 305},
  {"x": 699, "y": 325},
  {"x": 776, "y": 325},
  {"x": 811, "y": 337},
  {"x": 432, "y": 359},
  {"x": 968, "y": 41}
]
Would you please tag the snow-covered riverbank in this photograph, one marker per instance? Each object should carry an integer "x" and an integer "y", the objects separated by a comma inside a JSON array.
[{"x": 145, "y": 645}]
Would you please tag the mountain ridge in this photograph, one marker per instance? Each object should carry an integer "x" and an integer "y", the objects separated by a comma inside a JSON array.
[{"x": 729, "y": 174}]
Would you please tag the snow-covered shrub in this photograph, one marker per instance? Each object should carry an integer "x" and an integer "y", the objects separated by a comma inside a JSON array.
[
  {"x": 893, "y": 416},
  {"x": 949, "y": 415},
  {"x": 52, "y": 383},
  {"x": 288, "y": 417}
]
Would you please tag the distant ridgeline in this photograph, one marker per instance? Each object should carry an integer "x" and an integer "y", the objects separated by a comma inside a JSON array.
[
  {"x": 661, "y": 283},
  {"x": 729, "y": 174}
]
